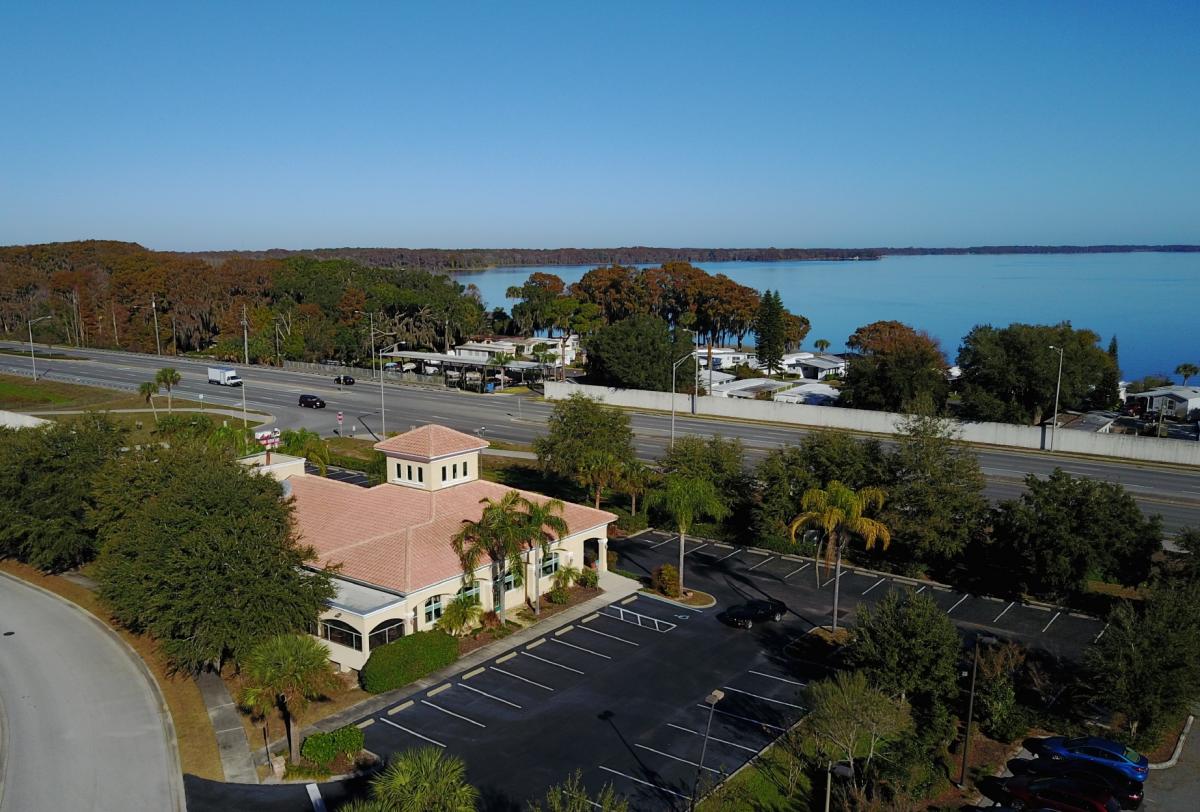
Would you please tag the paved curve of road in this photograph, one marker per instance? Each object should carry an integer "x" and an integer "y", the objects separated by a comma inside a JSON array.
[
  {"x": 1172, "y": 492},
  {"x": 81, "y": 723}
]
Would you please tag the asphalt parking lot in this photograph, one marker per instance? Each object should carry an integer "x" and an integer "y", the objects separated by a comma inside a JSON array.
[{"x": 735, "y": 574}]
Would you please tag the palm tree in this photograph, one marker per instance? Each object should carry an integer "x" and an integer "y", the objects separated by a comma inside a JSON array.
[
  {"x": 1187, "y": 371},
  {"x": 168, "y": 378},
  {"x": 500, "y": 535},
  {"x": 425, "y": 780},
  {"x": 838, "y": 512},
  {"x": 821, "y": 345},
  {"x": 308, "y": 444},
  {"x": 286, "y": 672},
  {"x": 458, "y": 615},
  {"x": 148, "y": 390},
  {"x": 634, "y": 481},
  {"x": 544, "y": 524},
  {"x": 687, "y": 499},
  {"x": 500, "y": 359}
]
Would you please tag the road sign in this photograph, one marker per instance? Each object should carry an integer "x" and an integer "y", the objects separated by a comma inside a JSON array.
[
  {"x": 339, "y": 418},
  {"x": 267, "y": 439}
]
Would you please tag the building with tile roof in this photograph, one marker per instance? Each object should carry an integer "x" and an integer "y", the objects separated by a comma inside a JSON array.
[{"x": 397, "y": 569}]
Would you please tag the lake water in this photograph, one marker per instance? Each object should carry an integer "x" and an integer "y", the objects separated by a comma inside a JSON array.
[{"x": 1150, "y": 301}]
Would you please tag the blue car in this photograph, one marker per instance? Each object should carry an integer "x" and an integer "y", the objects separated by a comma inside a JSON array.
[{"x": 1095, "y": 750}]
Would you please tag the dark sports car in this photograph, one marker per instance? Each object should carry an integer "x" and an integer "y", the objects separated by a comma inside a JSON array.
[{"x": 745, "y": 615}]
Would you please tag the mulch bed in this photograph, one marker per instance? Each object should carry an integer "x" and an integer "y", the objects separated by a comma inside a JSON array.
[
  {"x": 481, "y": 637},
  {"x": 1166, "y": 746}
]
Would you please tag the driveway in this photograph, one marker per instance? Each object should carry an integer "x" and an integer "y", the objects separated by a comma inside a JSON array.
[{"x": 82, "y": 726}]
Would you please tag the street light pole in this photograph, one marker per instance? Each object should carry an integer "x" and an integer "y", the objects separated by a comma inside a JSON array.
[
  {"x": 674, "y": 367},
  {"x": 711, "y": 700},
  {"x": 32, "y": 356},
  {"x": 157, "y": 337},
  {"x": 1057, "y": 388},
  {"x": 962, "y": 773},
  {"x": 245, "y": 338}
]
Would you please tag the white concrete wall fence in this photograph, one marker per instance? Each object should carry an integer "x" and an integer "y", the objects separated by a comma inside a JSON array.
[{"x": 1125, "y": 446}]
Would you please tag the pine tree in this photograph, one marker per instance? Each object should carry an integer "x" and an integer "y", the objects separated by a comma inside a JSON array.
[{"x": 769, "y": 327}]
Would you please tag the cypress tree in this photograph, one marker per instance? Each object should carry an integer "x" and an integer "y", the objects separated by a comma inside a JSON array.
[{"x": 769, "y": 328}]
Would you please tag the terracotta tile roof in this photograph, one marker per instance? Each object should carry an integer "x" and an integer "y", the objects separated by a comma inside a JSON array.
[
  {"x": 398, "y": 537},
  {"x": 430, "y": 442}
]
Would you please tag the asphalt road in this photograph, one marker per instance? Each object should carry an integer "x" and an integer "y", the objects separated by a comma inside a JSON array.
[
  {"x": 1173, "y": 493},
  {"x": 82, "y": 726}
]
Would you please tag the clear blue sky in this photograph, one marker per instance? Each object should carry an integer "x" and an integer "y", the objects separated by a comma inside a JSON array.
[{"x": 294, "y": 124}]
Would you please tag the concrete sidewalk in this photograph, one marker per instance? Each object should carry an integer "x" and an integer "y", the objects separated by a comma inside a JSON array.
[
  {"x": 615, "y": 588},
  {"x": 236, "y": 761}
]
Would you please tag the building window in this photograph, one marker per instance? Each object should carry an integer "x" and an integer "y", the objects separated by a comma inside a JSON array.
[
  {"x": 550, "y": 564},
  {"x": 443, "y": 473},
  {"x": 510, "y": 581},
  {"x": 386, "y": 632},
  {"x": 420, "y": 474},
  {"x": 335, "y": 631},
  {"x": 454, "y": 471},
  {"x": 469, "y": 593},
  {"x": 410, "y": 473},
  {"x": 464, "y": 467},
  {"x": 399, "y": 471},
  {"x": 433, "y": 609}
]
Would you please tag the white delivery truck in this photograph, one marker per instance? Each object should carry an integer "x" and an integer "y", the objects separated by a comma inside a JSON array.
[{"x": 223, "y": 376}]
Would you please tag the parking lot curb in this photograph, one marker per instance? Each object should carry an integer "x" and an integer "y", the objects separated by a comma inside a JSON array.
[
  {"x": 1174, "y": 759},
  {"x": 680, "y": 604}
]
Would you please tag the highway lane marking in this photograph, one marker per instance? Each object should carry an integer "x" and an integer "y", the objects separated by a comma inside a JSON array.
[
  {"x": 676, "y": 758},
  {"x": 712, "y": 738},
  {"x": 645, "y": 783},
  {"x": 1003, "y": 612},
  {"x": 551, "y": 662},
  {"x": 695, "y": 549},
  {"x": 606, "y": 634},
  {"x": 522, "y": 679},
  {"x": 763, "y": 698},
  {"x": 798, "y": 569},
  {"x": 580, "y": 648},
  {"x": 452, "y": 713},
  {"x": 955, "y": 606},
  {"x": 490, "y": 696},
  {"x": 743, "y": 718},
  {"x": 412, "y": 732},
  {"x": 781, "y": 679},
  {"x": 760, "y": 563},
  {"x": 1047, "y": 626}
]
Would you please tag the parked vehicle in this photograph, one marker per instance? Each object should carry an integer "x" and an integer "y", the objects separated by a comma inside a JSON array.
[
  {"x": 224, "y": 376},
  {"x": 311, "y": 402},
  {"x": 1062, "y": 794},
  {"x": 745, "y": 615},
  {"x": 1128, "y": 792},
  {"x": 390, "y": 366},
  {"x": 1094, "y": 750},
  {"x": 344, "y": 380}
]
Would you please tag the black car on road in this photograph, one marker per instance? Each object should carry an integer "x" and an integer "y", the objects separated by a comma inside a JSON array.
[
  {"x": 745, "y": 615},
  {"x": 1128, "y": 793},
  {"x": 311, "y": 402},
  {"x": 344, "y": 380}
]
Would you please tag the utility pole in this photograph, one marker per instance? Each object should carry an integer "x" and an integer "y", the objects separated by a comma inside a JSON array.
[
  {"x": 157, "y": 338},
  {"x": 245, "y": 337},
  {"x": 116, "y": 338},
  {"x": 32, "y": 356}
]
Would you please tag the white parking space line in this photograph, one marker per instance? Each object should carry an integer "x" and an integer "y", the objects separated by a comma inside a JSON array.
[
  {"x": 1003, "y": 612},
  {"x": 579, "y": 648},
  {"x": 922, "y": 589},
  {"x": 636, "y": 619},
  {"x": 411, "y": 732},
  {"x": 763, "y": 698},
  {"x": 551, "y": 662},
  {"x": 872, "y": 586},
  {"x": 713, "y": 738},
  {"x": 798, "y": 569},
  {"x": 731, "y": 555},
  {"x": 695, "y": 549},
  {"x": 759, "y": 722},
  {"x": 522, "y": 679},
  {"x": 781, "y": 679},
  {"x": 1102, "y": 631},
  {"x": 661, "y": 543},
  {"x": 606, "y": 634},
  {"x": 490, "y": 696},
  {"x": 452, "y": 713},
  {"x": 1047, "y": 626},
  {"x": 676, "y": 758},
  {"x": 645, "y": 783},
  {"x": 835, "y": 578},
  {"x": 760, "y": 563},
  {"x": 314, "y": 798},
  {"x": 955, "y": 606}
]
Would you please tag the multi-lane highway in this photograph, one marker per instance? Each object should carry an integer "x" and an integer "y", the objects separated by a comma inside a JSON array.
[{"x": 1172, "y": 492}]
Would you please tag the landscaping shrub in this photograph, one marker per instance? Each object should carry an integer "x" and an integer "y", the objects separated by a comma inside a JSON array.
[
  {"x": 566, "y": 577},
  {"x": 490, "y": 620},
  {"x": 612, "y": 558},
  {"x": 589, "y": 578},
  {"x": 322, "y": 748},
  {"x": 559, "y": 595},
  {"x": 629, "y": 523},
  {"x": 666, "y": 580},
  {"x": 412, "y": 657}
]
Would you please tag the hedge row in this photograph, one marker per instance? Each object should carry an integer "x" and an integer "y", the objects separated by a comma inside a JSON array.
[
  {"x": 409, "y": 658},
  {"x": 322, "y": 748}
]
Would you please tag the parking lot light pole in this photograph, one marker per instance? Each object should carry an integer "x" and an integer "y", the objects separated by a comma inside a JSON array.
[
  {"x": 32, "y": 356},
  {"x": 962, "y": 773},
  {"x": 842, "y": 770},
  {"x": 1057, "y": 388},
  {"x": 711, "y": 700}
]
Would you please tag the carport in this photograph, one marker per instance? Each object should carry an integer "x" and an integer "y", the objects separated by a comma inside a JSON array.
[{"x": 457, "y": 369}]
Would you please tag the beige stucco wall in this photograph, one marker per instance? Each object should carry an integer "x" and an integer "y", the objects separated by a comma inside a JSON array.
[{"x": 431, "y": 472}]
